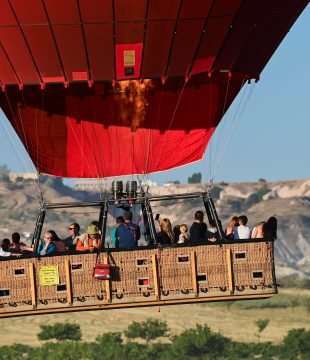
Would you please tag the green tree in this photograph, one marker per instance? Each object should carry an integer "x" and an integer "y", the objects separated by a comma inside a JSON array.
[
  {"x": 109, "y": 346},
  {"x": 68, "y": 350},
  {"x": 199, "y": 342},
  {"x": 60, "y": 332},
  {"x": 16, "y": 351},
  {"x": 195, "y": 178},
  {"x": 147, "y": 330},
  {"x": 296, "y": 345}
]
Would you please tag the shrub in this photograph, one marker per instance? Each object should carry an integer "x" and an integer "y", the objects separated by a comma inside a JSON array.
[
  {"x": 147, "y": 330},
  {"x": 296, "y": 345},
  {"x": 261, "y": 324},
  {"x": 16, "y": 351},
  {"x": 109, "y": 346},
  {"x": 198, "y": 342},
  {"x": 261, "y": 192},
  {"x": 251, "y": 200},
  {"x": 60, "y": 332}
]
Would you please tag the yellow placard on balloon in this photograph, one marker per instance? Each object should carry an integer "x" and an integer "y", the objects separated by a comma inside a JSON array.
[{"x": 49, "y": 275}]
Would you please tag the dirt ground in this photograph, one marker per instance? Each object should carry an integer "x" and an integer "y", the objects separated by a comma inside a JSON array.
[{"x": 237, "y": 324}]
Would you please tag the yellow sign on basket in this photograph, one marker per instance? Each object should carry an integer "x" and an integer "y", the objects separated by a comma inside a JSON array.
[
  {"x": 49, "y": 275},
  {"x": 129, "y": 58}
]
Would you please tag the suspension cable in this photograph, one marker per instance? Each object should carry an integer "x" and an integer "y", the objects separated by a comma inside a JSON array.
[
  {"x": 18, "y": 153},
  {"x": 172, "y": 119},
  {"x": 236, "y": 119},
  {"x": 224, "y": 113}
]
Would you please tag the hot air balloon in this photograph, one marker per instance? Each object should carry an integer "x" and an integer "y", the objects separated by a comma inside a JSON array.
[{"x": 98, "y": 89}]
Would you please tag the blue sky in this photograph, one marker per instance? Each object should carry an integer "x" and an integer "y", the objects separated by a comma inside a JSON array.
[{"x": 272, "y": 139}]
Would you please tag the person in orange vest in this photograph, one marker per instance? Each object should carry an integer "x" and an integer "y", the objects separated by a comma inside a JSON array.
[{"x": 90, "y": 240}]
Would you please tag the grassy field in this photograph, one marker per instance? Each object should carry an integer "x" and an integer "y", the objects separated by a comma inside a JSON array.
[{"x": 236, "y": 322}]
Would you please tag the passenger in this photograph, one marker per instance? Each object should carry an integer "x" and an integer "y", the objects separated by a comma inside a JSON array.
[
  {"x": 242, "y": 231},
  {"x": 234, "y": 222},
  {"x": 15, "y": 246},
  {"x": 176, "y": 231},
  {"x": 166, "y": 235},
  {"x": 184, "y": 235},
  {"x": 5, "y": 245},
  {"x": 270, "y": 228},
  {"x": 212, "y": 228},
  {"x": 198, "y": 230},
  {"x": 47, "y": 246},
  {"x": 258, "y": 231},
  {"x": 60, "y": 244},
  {"x": 71, "y": 240},
  {"x": 119, "y": 220},
  {"x": 128, "y": 233},
  {"x": 212, "y": 233},
  {"x": 89, "y": 240},
  {"x": 97, "y": 223}
]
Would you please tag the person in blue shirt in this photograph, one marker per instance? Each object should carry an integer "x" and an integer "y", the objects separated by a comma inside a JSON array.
[
  {"x": 119, "y": 220},
  {"x": 127, "y": 233},
  {"x": 47, "y": 246}
]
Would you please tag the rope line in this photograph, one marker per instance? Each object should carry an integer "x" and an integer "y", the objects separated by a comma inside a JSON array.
[
  {"x": 224, "y": 115},
  {"x": 18, "y": 153},
  {"x": 172, "y": 119},
  {"x": 236, "y": 119}
]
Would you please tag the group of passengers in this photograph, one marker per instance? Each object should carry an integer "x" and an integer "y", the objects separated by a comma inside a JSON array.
[
  {"x": 126, "y": 235},
  {"x": 238, "y": 229},
  {"x": 198, "y": 232},
  {"x": 9, "y": 248},
  {"x": 51, "y": 243}
]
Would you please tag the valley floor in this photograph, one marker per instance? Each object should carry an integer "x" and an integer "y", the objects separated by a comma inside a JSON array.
[{"x": 234, "y": 322}]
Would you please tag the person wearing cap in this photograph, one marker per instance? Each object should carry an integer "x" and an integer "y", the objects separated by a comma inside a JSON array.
[
  {"x": 89, "y": 240},
  {"x": 127, "y": 233}
]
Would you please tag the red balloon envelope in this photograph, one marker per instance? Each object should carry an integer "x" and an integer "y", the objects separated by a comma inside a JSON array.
[{"x": 106, "y": 88}]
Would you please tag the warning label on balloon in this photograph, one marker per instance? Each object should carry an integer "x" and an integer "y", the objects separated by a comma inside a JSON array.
[
  {"x": 129, "y": 58},
  {"x": 49, "y": 275}
]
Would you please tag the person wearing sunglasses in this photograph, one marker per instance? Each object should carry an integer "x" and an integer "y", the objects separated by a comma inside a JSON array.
[{"x": 74, "y": 233}]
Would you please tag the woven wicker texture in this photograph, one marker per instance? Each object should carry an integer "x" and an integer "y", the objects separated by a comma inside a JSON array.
[{"x": 178, "y": 272}]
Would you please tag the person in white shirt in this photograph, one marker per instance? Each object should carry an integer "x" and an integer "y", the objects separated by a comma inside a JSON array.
[
  {"x": 242, "y": 231},
  {"x": 5, "y": 244}
]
